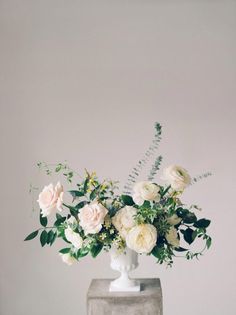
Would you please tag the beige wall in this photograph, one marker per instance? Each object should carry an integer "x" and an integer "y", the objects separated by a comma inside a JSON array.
[{"x": 84, "y": 81}]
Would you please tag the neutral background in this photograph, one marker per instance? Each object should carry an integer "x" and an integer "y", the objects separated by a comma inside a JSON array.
[{"x": 84, "y": 81}]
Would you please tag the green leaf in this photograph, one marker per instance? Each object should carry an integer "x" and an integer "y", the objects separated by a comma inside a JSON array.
[
  {"x": 156, "y": 252},
  {"x": 180, "y": 249},
  {"x": 82, "y": 253},
  {"x": 208, "y": 242},
  {"x": 202, "y": 223},
  {"x": 59, "y": 221},
  {"x": 182, "y": 212},
  {"x": 43, "y": 238},
  {"x": 127, "y": 200},
  {"x": 58, "y": 216},
  {"x": 94, "y": 192},
  {"x": 86, "y": 185},
  {"x": 43, "y": 220},
  {"x": 188, "y": 235},
  {"x": 50, "y": 237},
  {"x": 64, "y": 250},
  {"x": 189, "y": 218},
  {"x": 96, "y": 249},
  {"x": 80, "y": 205},
  {"x": 76, "y": 193},
  {"x": 31, "y": 236}
]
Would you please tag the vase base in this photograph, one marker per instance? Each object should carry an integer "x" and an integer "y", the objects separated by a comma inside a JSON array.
[{"x": 134, "y": 288}]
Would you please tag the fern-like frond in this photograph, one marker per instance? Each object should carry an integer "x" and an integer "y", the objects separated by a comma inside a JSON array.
[
  {"x": 155, "y": 168},
  {"x": 135, "y": 172}
]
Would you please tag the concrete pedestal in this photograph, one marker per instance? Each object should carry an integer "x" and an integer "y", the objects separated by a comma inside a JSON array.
[{"x": 146, "y": 302}]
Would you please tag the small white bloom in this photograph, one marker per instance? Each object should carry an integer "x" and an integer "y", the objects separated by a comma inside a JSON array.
[
  {"x": 73, "y": 237},
  {"x": 142, "y": 238},
  {"x": 51, "y": 199},
  {"x": 145, "y": 191},
  {"x": 174, "y": 219},
  {"x": 177, "y": 177},
  {"x": 91, "y": 217},
  {"x": 172, "y": 237},
  {"x": 72, "y": 221},
  {"x": 68, "y": 259},
  {"x": 123, "y": 220}
]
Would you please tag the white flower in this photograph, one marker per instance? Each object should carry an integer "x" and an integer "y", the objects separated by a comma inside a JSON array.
[
  {"x": 51, "y": 199},
  {"x": 177, "y": 177},
  {"x": 142, "y": 238},
  {"x": 72, "y": 222},
  {"x": 172, "y": 237},
  {"x": 174, "y": 219},
  {"x": 123, "y": 220},
  {"x": 145, "y": 191},
  {"x": 68, "y": 259},
  {"x": 91, "y": 217},
  {"x": 73, "y": 237}
]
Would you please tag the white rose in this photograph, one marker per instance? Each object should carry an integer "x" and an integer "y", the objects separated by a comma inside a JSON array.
[
  {"x": 177, "y": 177},
  {"x": 123, "y": 220},
  {"x": 91, "y": 217},
  {"x": 145, "y": 191},
  {"x": 73, "y": 237},
  {"x": 174, "y": 219},
  {"x": 172, "y": 237},
  {"x": 142, "y": 238},
  {"x": 51, "y": 199},
  {"x": 68, "y": 259}
]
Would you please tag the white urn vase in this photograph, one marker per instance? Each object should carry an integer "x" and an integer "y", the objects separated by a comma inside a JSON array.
[{"x": 124, "y": 262}]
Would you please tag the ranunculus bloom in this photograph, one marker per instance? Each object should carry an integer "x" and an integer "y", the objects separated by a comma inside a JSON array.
[
  {"x": 51, "y": 199},
  {"x": 174, "y": 219},
  {"x": 177, "y": 177},
  {"x": 123, "y": 220},
  {"x": 73, "y": 237},
  {"x": 145, "y": 191},
  {"x": 142, "y": 238},
  {"x": 91, "y": 217},
  {"x": 172, "y": 237},
  {"x": 68, "y": 259}
]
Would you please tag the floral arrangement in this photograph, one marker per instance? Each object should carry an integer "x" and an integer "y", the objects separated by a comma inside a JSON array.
[{"x": 148, "y": 217}]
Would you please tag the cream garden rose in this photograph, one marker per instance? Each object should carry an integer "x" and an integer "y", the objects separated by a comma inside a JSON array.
[
  {"x": 172, "y": 237},
  {"x": 177, "y": 177},
  {"x": 145, "y": 191},
  {"x": 142, "y": 238},
  {"x": 91, "y": 217},
  {"x": 123, "y": 220},
  {"x": 51, "y": 199},
  {"x": 73, "y": 237},
  {"x": 174, "y": 219},
  {"x": 68, "y": 259}
]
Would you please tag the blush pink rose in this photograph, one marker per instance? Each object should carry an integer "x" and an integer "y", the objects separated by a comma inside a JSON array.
[
  {"x": 51, "y": 199},
  {"x": 91, "y": 217}
]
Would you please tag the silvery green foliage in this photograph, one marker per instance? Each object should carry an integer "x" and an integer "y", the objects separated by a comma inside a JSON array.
[
  {"x": 135, "y": 172},
  {"x": 200, "y": 177},
  {"x": 155, "y": 168}
]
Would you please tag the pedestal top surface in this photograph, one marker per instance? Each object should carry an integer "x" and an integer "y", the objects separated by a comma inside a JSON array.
[{"x": 99, "y": 288}]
